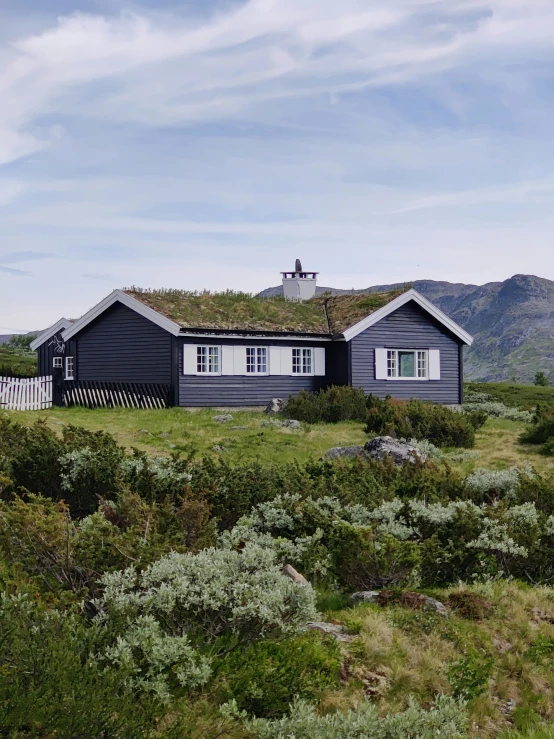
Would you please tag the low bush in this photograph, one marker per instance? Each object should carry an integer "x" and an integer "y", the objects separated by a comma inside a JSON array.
[
  {"x": 471, "y": 605},
  {"x": 266, "y": 677},
  {"x": 446, "y": 720},
  {"x": 415, "y": 418},
  {"x": 542, "y": 428},
  {"x": 334, "y": 404}
]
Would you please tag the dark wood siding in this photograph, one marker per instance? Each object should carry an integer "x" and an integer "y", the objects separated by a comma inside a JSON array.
[
  {"x": 122, "y": 346},
  {"x": 409, "y": 327},
  {"x": 228, "y": 390},
  {"x": 336, "y": 363},
  {"x": 46, "y": 354}
]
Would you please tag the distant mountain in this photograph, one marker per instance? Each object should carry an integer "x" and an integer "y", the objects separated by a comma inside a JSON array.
[{"x": 512, "y": 323}]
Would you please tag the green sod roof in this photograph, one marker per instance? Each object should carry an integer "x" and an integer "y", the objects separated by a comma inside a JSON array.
[{"x": 235, "y": 311}]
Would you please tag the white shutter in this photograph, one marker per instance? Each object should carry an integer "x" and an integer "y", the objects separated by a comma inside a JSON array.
[
  {"x": 189, "y": 359},
  {"x": 434, "y": 364},
  {"x": 227, "y": 360},
  {"x": 239, "y": 360},
  {"x": 275, "y": 360},
  {"x": 286, "y": 360},
  {"x": 319, "y": 361},
  {"x": 380, "y": 364}
]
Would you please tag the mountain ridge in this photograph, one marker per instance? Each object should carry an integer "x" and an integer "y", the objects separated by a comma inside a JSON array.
[{"x": 512, "y": 322}]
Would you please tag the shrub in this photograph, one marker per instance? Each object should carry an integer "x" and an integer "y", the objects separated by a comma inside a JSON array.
[
  {"x": 334, "y": 404},
  {"x": 469, "y": 676},
  {"x": 496, "y": 409},
  {"x": 167, "y": 623},
  {"x": 470, "y": 605},
  {"x": 446, "y": 720},
  {"x": 364, "y": 559},
  {"x": 542, "y": 428},
  {"x": 541, "y": 379},
  {"x": 414, "y": 418},
  {"x": 265, "y": 678}
]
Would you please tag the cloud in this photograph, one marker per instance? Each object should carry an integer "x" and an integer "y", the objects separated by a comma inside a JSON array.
[
  {"x": 95, "y": 276},
  {"x": 25, "y": 256},
  {"x": 12, "y": 271},
  {"x": 164, "y": 70}
]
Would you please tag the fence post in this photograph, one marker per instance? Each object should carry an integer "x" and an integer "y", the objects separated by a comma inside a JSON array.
[{"x": 57, "y": 386}]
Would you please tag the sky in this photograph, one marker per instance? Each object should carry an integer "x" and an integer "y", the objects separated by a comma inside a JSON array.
[{"x": 208, "y": 143}]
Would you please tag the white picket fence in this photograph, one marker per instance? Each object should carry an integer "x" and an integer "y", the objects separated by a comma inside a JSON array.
[{"x": 25, "y": 394}]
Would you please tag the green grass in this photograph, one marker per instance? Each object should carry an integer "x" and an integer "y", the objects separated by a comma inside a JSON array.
[
  {"x": 17, "y": 363},
  {"x": 400, "y": 652},
  {"x": 177, "y": 429},
  {"x": 518, "y": 396}
]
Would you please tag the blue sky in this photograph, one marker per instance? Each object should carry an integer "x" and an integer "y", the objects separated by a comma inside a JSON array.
[{"x": 208, "y": 144}]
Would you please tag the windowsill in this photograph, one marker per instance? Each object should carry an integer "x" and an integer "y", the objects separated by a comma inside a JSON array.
[
  {"x": 407, "y": 379},
  {"x": 207, "y": 374}
]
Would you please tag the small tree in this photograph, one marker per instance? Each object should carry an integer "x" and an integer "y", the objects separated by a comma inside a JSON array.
[{"x": 541, "y": 379}]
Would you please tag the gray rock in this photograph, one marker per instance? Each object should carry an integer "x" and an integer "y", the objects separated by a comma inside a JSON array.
[
  {"x": 145, "y": 431},
  {"x": 238, "y": 428},
  {"x": 435, "y": 605},
  {"x": 386, "y": 446},
  {"x": 223, "y": 418},
  {"x": 291, "y": 424},
  {"x": 219, "y": 448},
  {"x": 365, "y": 596},
  {"x": 275, "y": 405},
  {"x": 289, "y": 571},
  {"x": 338, "y": 452},
  {"x": 164, "y": 435},
  {"x": 337, "y": 631},
  {"x": 172, "y": 446}
]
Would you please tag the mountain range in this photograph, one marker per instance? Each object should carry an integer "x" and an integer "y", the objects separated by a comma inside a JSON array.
[{"x": 512, "y": 323}]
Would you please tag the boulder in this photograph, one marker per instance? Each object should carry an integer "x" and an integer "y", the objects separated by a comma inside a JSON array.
[
  {"x": 275, "y": 405},
  {"x": 223, "y": 418},
  {"x": 386, "y": 446},
  {"x": 289, "y": 571},
  {"x": 338, "y": 452},
  {"x": 337, "y": 631},
  {"x": 435, "y": 605},
  {"x": 291, "y": 424},
  {"x": 365, "y": 596},
  {"x": 219, "y": 448}
]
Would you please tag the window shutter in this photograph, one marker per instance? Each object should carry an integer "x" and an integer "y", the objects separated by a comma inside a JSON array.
[
  {"x": 319, "y": 361},
  {"x": 434, "y": 364},
  {"x": 380, "y": 364},
  {"x": 239, "y": 360},
  {"x": 189, "y": 359},
  {"x": 286, "y": 360},
  {"x": 275, "y": 360},
  {"x": 227, "y": 360}
]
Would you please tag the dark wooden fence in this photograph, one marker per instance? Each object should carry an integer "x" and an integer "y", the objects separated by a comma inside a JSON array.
[{"x": 91, "y": 394}]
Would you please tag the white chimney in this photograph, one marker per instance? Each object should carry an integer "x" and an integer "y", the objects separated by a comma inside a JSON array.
[{"x": 299, "y": 285}]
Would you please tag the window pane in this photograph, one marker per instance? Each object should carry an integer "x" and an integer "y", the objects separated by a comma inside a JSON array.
[
  {"x": 296, "y": 359},
  {"x": 391, "y": 363},
  {"x": 406, "y": 363},
  {"x": 307, "y": 361},
  {"x": 422, "y": 364}
]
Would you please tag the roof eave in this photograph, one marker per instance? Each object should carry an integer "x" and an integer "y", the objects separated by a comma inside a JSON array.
[{"x": 63, "y": 323}]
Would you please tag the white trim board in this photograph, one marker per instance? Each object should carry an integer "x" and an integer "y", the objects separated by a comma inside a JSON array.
[
  {"x": 63, "y": 323},
  {"x": 398, "y": 302},
  {"x": 255, "y": 337},
  {"x": 118, "y": 296}
]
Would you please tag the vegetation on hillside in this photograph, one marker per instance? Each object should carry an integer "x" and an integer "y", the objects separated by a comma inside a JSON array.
[
  {"x": 144, "y": 595},
  {"x": 16, "y": 357},
  {"x": 525, "y": 397}
]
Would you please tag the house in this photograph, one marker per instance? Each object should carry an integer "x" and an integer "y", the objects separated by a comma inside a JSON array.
[{"x": 233, "y": 349}]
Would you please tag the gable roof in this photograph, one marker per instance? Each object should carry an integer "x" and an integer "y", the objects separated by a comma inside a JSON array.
[
  {"x": 63, "y": 323},
  {"x": 398, "y": 302},
  {"x": 326, "y": 316}
]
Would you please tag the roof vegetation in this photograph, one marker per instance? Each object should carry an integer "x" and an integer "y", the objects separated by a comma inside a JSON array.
[{"x": 240, "y": 311}]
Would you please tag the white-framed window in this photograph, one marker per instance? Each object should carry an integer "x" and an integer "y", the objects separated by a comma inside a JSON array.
[
  {"x": 302, "y": 362},
  {"x": 208, "y": 360},
  {"x": 256, "y": 360},
  {"x": 407, "y": 364},
  {"x": 69, "y": 368},
  {"x": 58, "y": 362}
]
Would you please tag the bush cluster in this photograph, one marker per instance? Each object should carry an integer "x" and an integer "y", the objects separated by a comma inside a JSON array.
[
  {"x": 331, "y": 405},
  {"x": 541, "y": 430},
  {"x": 438, "y": 424}
]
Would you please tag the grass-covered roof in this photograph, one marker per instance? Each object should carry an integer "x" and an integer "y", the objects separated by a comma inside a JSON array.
[{"x": 228, "y": 311}]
